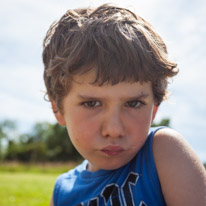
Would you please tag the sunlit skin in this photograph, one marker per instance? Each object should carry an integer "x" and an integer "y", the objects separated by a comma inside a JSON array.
[{"x": 107, "y": 124}]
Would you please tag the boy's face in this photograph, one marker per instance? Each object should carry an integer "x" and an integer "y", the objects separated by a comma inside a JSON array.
[{"x": 107, "y": 124}]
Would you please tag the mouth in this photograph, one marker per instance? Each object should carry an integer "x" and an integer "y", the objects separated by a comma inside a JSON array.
[{"x": 112, "y": 150}]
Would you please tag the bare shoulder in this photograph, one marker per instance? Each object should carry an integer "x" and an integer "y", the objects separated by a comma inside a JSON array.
[{"x": 182, "y": 175}]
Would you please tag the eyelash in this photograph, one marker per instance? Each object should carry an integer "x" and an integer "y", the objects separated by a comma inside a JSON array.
[
  {"x": 137, "y": 105},
  {"x": 92, "y": 104}
]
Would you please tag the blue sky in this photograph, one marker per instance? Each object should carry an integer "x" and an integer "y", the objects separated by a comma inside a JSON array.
[{"x": 181, "y": 23}]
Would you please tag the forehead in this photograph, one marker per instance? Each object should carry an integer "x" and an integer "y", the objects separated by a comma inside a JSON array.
[{"x": 85, "y": 84}]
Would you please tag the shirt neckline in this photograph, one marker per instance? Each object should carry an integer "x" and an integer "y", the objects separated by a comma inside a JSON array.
[{"x": 88, "y": 174}]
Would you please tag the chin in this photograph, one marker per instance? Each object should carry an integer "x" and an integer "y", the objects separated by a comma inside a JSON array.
[
  {"x": 109, "y": 163},
  {"x": 110, "y": 166}
]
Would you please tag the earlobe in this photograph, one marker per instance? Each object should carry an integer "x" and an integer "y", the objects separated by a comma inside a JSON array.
[
  {"x": 155, "y": 108},
  {"x": 59, "y": 116}
]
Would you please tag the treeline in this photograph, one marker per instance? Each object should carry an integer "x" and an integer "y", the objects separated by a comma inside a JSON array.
[{"x": 45, "y": 142}]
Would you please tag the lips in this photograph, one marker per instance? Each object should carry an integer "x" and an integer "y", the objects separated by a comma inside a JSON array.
[{"x": 112, "y": 150}]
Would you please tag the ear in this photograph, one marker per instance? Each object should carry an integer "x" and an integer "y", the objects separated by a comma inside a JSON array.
[
  {"x": 59, "y": 116},
  {"x": 155, "y": 108}
]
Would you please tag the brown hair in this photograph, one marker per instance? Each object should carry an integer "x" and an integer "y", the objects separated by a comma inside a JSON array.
[{"x": 118, "y": 44}]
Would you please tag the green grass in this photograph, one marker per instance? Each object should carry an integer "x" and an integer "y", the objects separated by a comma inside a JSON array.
[
  {"x": 28, "y": 184},
  {"x": 24, "y": 189},
  {"x": 46, "y": 168}
]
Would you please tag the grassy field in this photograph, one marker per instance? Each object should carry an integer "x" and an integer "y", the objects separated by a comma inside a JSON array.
[
  {"x": 28, "y": 185},
  {"x": 23, "y": 189}
]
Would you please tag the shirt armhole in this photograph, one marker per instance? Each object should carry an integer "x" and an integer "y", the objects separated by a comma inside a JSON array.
[{"x": 56, "y": 190}]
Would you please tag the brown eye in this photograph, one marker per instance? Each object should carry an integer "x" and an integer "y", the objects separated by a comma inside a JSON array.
[
  {"x": 133, "y": 104},
  {"x": 91, "y": 104}
]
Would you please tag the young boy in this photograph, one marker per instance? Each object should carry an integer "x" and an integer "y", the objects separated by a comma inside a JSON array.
[{"x": 106, "y": 73}]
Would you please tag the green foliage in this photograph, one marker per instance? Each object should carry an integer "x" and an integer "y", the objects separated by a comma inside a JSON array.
[
  {"x": 59, "y": 144},
  {"x": 32, "y": 151},
  {"x": 45, "y": 142},
  {"x": 7, "y": 127},
  {"x": 163, "y": 122}
]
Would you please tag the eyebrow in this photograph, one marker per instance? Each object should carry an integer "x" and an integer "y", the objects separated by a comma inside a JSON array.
[{"x": 142, "y": 95}]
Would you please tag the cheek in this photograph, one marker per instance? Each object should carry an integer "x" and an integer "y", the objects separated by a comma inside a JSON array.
[
  {"x": 138, "y": 132},
  {"x": 138, "y": 127},
  {"x": 142, "y": 118},
  {"x": 83, "y": 135},
  {"x": 139, "y": 124},
  {"x": 81, "y": 129}
]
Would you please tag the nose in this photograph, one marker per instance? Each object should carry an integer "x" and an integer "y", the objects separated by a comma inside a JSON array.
[{"x": 112, "y": 124}]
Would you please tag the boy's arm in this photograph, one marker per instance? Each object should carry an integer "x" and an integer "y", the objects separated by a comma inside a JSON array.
[{"x": 182, "y": 175}]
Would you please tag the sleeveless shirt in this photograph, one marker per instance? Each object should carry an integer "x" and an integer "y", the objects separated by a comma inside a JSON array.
[{"x": 134, "y": 184}]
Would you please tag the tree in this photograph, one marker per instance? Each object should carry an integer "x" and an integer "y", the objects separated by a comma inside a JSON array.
[
  {"x": 59, "y": 145},
  {"x": 163, "y": 122},
  {"x": 7, "y": 127},
  {"x": 45, "y": 142}
]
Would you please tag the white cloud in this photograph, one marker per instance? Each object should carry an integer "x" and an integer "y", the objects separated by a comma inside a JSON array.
[{"x": 21, "y": 96}]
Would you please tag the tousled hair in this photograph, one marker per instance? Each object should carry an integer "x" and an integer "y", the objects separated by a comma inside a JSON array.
[{"x": 115, "y": 42}]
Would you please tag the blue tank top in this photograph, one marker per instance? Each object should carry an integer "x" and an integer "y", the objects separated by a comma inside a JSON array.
[{"x": 135, "y": 184}]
